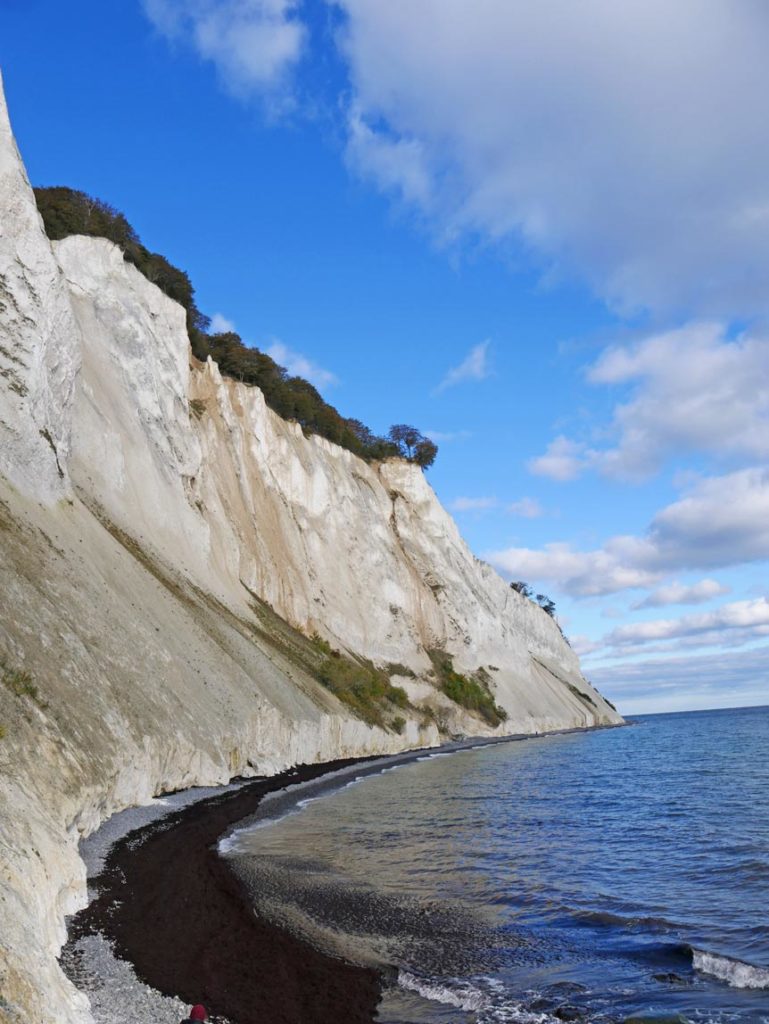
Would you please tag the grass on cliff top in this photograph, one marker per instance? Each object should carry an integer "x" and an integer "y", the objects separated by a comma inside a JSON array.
[
  {"x": 355, "y": 681},
  {"x": 471, "y": 692}
]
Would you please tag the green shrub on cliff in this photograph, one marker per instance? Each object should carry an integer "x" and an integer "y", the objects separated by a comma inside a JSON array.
[
  {"x": 66, "y": 211},
  {"x": 363, "y": 687},
  {"x": 470, "y": 692},
  {"x": 355, "y": 681}
]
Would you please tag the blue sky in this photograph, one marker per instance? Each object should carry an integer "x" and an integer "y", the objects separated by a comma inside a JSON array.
[{"x": 538, "y": 232}]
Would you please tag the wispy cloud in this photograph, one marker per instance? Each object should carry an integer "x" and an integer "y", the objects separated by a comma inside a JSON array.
[
  {"x": 220, "y": 324},
  {"x": 526, "y": 508},
  {"x": 583, "y": 645},
  {"x": 475, "y": 366},
  {"x": 254, "y": 44},
  {"x": 679, "y": 593},
  {"x": 396, "y": 164},
  {"x": 718, "y": 679},
  {"x": 718, "y": 408},
  {"x": 444, "y": 436},
  {"x": 299, "y": 365},
  {"x": 474, "y": 90},
  {"x": 563, "y": 460},
  {"x": 750, "y": 619},
  {"x": 613, "y": 611},
  {"x": 473, "y": 504},
  {"x": 719, "y": 522}
]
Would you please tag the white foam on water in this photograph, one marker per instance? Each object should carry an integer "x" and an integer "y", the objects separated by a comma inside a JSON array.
[
  {"x": 490, "y": 1007},
  {"x": 735, "y": 973},
  {"x": 463, "y": 995},
  {"x": 230, "y": 843},
  {"x": 714, "y": 1017}
]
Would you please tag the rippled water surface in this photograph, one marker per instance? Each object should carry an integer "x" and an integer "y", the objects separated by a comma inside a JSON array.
[{"x": 594, "y": 876}]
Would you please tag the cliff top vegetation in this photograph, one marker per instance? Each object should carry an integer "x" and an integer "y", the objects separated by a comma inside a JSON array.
[{"x": 66, "y": 211}]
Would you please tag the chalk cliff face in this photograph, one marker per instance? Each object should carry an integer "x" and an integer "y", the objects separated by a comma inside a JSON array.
[{"x": 163, "y": 537}]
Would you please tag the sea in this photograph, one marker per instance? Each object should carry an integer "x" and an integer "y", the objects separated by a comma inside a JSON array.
[{"x": 613, "y": 875}]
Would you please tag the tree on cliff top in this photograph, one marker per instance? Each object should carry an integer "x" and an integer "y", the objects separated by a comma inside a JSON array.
[
  {"x": 545, "y": 603},
  {"x": 413, "y": 445},
  {"x": 521, "y": 588},
  {"x": 66, "y": 211}
]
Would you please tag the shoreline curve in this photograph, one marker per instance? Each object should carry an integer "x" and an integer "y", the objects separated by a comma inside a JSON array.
[{"x": 171, "y": 907}]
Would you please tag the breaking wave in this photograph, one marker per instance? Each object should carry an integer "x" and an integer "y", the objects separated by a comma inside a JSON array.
[
  {"x": 735, "y": 973},
  {"x": 488, "y": 1006}
]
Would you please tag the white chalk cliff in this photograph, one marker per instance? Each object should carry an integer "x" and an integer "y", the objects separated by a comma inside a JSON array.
[{"x": 137, "y": 532}]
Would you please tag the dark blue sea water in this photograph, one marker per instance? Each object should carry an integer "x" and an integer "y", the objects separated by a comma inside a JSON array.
[{"x": 596, "y": 876}]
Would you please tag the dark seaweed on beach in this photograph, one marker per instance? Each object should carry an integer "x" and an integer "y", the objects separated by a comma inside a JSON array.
[{"x": 172, "y": 908}]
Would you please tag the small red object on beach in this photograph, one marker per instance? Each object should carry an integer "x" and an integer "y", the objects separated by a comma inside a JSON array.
[{"x": 198, "y": 1012}]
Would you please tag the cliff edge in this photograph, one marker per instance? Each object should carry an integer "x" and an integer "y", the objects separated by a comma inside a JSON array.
[{"x": 178, "y": 566}]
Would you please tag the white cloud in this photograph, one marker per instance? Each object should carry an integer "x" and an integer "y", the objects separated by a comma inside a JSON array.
[
  {"x": 583, "y": 645},
  {"x": 694, "y": 391},
  {"x": 473, "y": 504},
  {"x": 723, "y": 637},
  {"x": 254, "y": 44},
  {"x": 679, "y": 593},
  {"x": 527, "y": 508},
  {"x": 619, "y": 141},
  {"x": 395, "y": 164},
  {"x": 300, "y": 366},
  {"x": 721, "y": 521},
  {"x": 749, "y": 618},
  {"x": 563, "y": 460},
  {"x": 728, "y": 679},
  {"x": 220, "y": 324},
  {"x": 579, "y": 573},
  {"x": 475, "y": 366}
]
